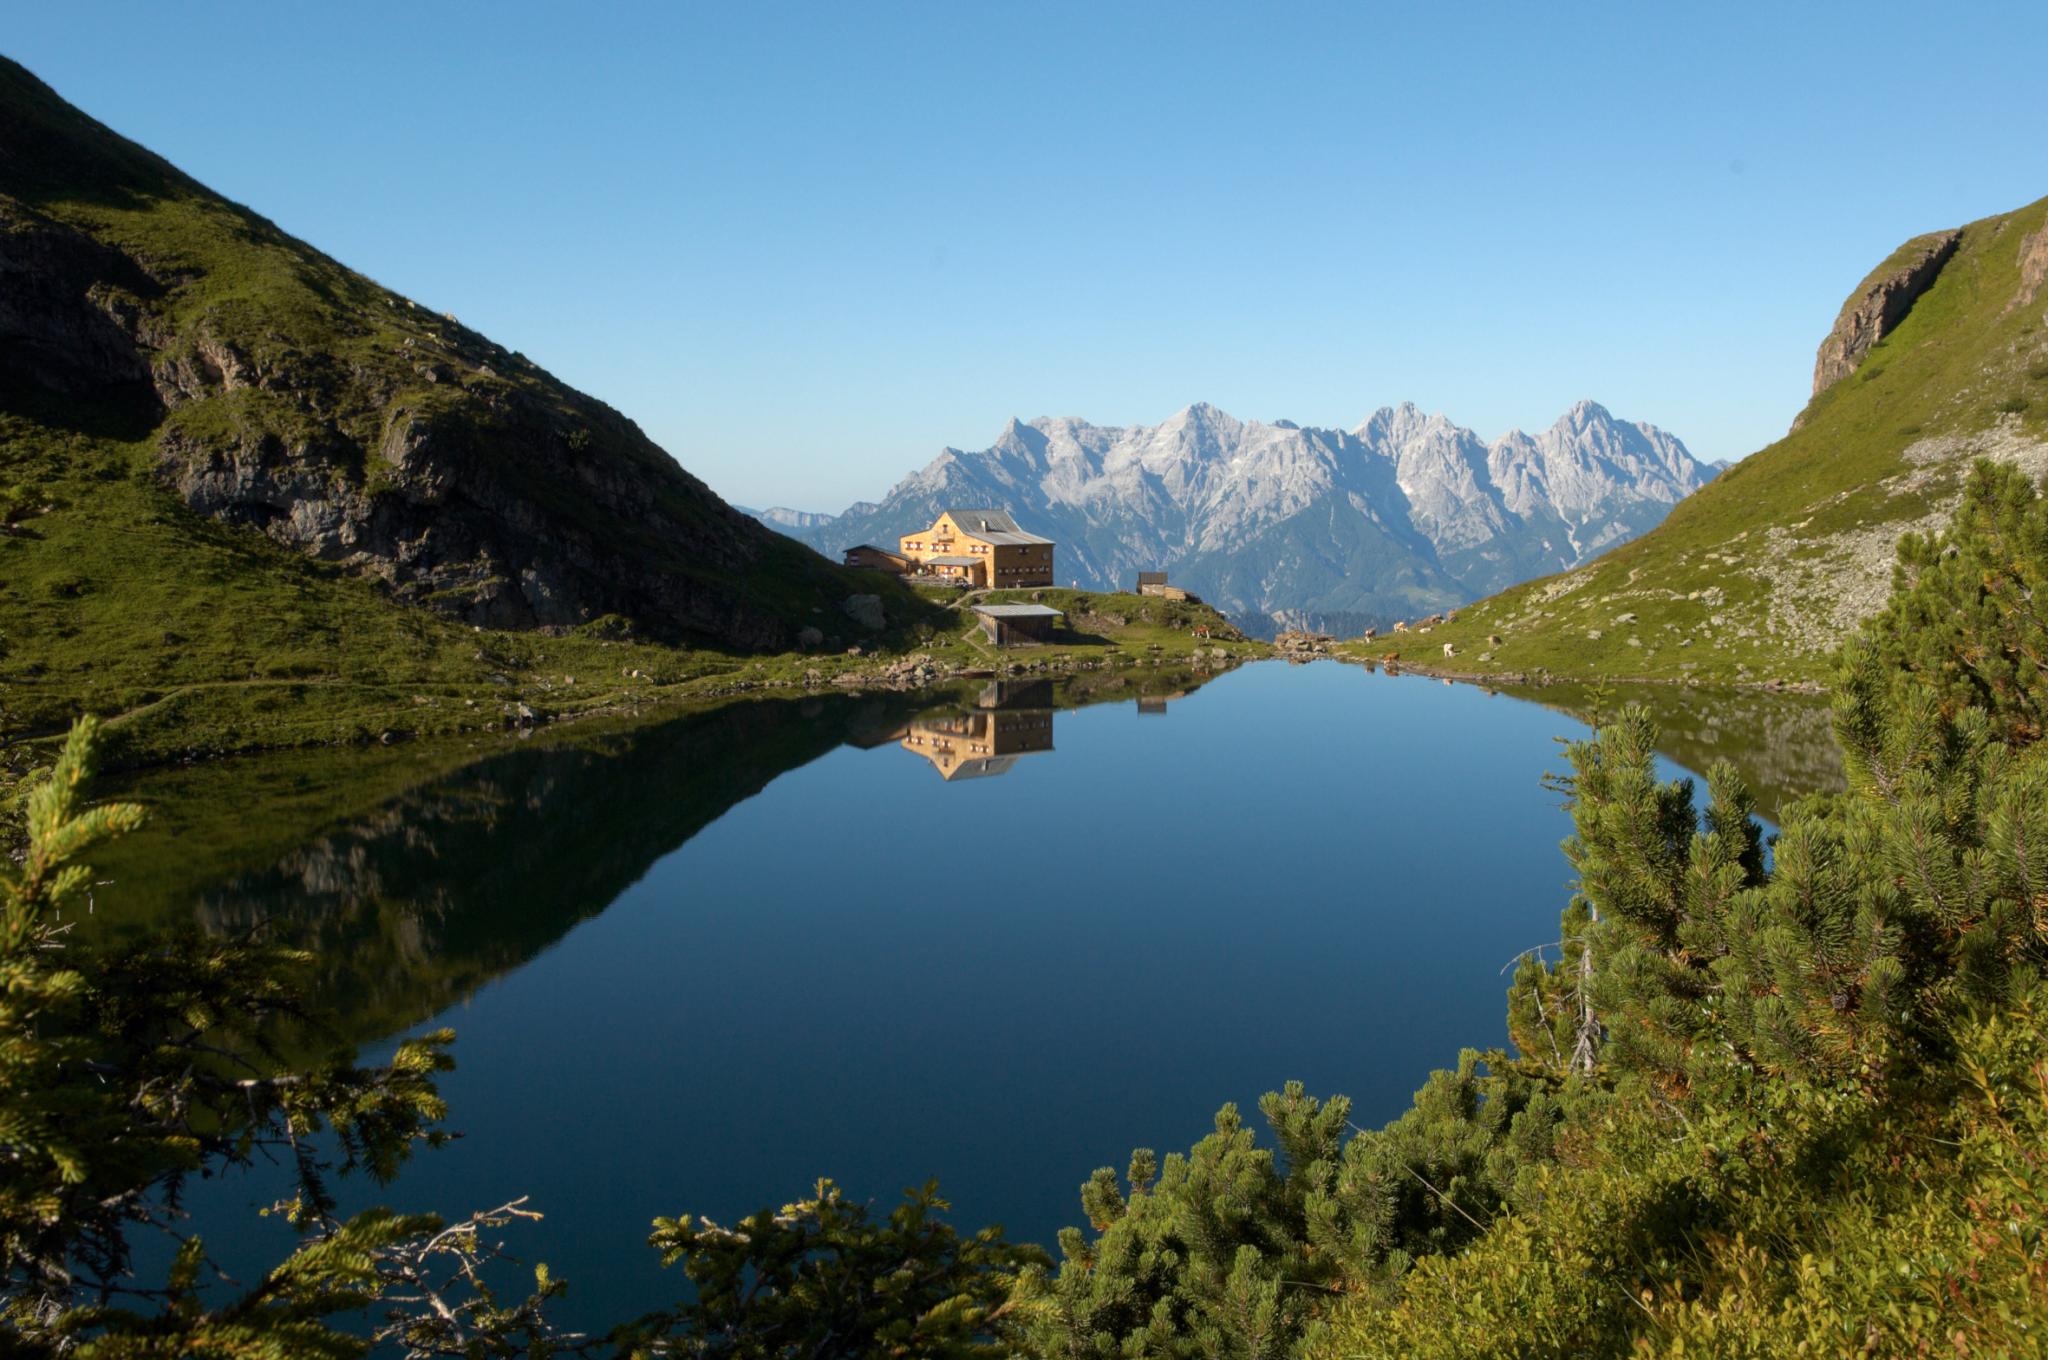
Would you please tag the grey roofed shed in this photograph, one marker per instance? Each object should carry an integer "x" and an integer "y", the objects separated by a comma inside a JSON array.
[
  {"x": 1018, "y": 611},
  {"x": 985, "y": 767},
  {"x": 1006, "y": 623}
]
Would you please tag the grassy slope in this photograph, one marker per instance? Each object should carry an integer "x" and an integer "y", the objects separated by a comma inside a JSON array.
[{"x": 1754, "y": 577}]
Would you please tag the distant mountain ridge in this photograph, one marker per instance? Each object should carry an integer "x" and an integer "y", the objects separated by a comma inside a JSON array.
[
  {"x": 788, "y": 520},
  {"x": 1280, "y": 524}
]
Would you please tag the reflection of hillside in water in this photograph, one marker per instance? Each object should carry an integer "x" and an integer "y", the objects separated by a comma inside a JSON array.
[
  {"x": 1782, "y": 744},
  {"x": 1007, "y": 720},
  {"x": 416, "y": 898}
]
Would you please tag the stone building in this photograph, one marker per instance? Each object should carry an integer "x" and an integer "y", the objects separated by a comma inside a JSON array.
[{"x": 1155, "y": 583}]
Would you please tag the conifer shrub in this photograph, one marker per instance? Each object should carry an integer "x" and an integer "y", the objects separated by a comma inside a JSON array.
[{"x": 126, "y": 1074}]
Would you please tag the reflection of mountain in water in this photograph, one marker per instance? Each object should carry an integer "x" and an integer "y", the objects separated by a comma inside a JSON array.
[
  {"x": 1782, "y": 744},
  {"x": 410, "y": 900}
]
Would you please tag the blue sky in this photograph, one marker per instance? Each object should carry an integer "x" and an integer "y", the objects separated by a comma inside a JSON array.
[{"x": 807, "y": 246}]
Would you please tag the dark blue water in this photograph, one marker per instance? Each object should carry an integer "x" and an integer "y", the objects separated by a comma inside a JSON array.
[{"x": 868, "y": 971}]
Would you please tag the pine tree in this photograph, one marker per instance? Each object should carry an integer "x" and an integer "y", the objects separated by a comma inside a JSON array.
[{"x": 123, "y": 1075}]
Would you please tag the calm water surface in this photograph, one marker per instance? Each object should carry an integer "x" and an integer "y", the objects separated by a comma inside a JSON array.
[{"x": 696, "y": 966}]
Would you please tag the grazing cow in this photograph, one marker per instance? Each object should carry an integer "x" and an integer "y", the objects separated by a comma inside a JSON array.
[
  {"x": 1401, "y": 627},
  {"x": 1370, "y": 634}
]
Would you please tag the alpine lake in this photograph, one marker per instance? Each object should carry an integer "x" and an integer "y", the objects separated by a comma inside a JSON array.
[{"x": 998, "y": 934}]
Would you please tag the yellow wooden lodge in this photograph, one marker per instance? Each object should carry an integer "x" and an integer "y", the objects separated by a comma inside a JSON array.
[{"x": 980, "y": 548}]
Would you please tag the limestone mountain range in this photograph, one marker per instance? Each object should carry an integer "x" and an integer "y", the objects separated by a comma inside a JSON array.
[{"x": 1281, "y": 524}]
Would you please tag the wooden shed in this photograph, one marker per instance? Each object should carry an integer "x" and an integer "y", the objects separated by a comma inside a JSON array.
[
  {"x": 880, "y": 559},
  {"x": 1006, "y": 624}
]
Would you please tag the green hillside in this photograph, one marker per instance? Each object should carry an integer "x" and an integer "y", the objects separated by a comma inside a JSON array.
[
  {"x": 250, "y": 497},
  {"x": 1757, "y": 575}
]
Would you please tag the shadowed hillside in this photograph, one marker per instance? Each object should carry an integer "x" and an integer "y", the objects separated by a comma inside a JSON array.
[{"x": 227, "y": 459}]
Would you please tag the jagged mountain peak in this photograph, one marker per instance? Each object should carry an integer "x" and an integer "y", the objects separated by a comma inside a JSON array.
[
  {"x": 1405, "y": 422},
  {"x": 1202, "y": 420}
]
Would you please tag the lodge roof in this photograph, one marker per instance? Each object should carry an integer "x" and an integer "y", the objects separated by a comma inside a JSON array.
[
  {"x": 1018, "y": 611},
  {"x": 992, "y": 526},
  {"x": 985, "y": 767}
]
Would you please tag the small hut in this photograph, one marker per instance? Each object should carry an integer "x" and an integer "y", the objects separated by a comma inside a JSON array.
[
  {"x": 878, "y": 559},
  {"x": 1009, "y": 624}
]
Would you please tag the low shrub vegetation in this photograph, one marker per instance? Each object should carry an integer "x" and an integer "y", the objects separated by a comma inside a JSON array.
[{"x": 1763, "y": 1099}]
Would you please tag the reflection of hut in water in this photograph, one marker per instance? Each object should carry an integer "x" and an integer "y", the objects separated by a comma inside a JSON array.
[
  {"x": 1156, "y": 703},
  {"x": 1015, "y": 694},
  {"x": 981, "y": 744}
]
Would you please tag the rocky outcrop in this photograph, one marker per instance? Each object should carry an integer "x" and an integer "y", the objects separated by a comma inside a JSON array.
[
  {"x": 483, "y": 507},
  {"x": 2033, "y": 268},
  {"x": 1296, "y": 644},
  {"x": 1876, "y": 308},
  {"x": 70, "y": 309}
]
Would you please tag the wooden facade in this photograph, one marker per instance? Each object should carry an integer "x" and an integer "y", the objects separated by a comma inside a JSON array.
[{"x": 980, "y": 548}]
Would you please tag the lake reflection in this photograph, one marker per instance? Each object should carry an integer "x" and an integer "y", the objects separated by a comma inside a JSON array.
[
  {"x": 1008, "y": 722},
  {"x": 696, "y": 964}
]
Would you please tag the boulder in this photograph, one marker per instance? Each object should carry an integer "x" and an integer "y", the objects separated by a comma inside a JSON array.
[{"x": 865, "y": 610}]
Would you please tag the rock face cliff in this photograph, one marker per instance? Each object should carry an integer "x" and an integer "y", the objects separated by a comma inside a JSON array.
[
  {"x": 1282, "y": 525},
  {"x": 1879, "y": 303},
  {"x": 279, "y": 391},
  {"x": 2033, "y": 269}
]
